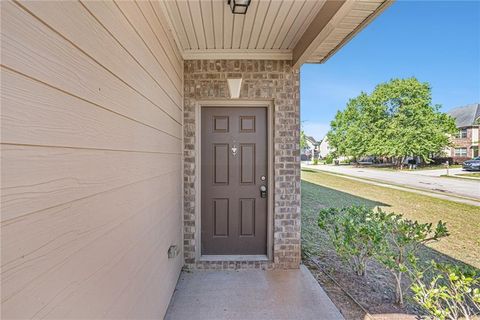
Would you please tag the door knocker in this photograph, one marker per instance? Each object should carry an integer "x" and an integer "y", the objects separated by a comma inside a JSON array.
[{"x": 234, "y": 150}]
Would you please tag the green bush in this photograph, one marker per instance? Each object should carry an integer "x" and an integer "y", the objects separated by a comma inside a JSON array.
[
  {"x": 452, "y": 292},
  {"x": 329, "y": 159},
  {"x": 354, "y": 233},
  {"x": 315, "y": 161},
  {"x": 403, "y": 238},
  {"x": 360, "y": 234}
]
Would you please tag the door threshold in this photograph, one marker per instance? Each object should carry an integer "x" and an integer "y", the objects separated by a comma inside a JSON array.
[{"x": 252, "y": 257}]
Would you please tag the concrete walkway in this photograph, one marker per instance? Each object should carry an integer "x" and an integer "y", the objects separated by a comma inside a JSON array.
[
  {"x": 452, "y": 188},
  {"x": 250, "y": 294}
]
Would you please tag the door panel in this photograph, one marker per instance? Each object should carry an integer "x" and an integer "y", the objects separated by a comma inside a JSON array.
[
  {"x": 247, "y": 163},
  {"x": 220, "y": 163},
  {"x": 234, "y": 158}
]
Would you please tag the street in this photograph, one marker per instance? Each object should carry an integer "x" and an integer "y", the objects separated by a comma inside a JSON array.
[{"x": 429, "y": 180}]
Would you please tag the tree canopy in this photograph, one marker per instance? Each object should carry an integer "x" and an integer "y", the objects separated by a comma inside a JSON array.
[
  {"x": 396, "y": 120},
  {"x": 303, "y": 140}
]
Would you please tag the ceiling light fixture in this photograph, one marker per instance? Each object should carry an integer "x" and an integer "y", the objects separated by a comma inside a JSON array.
[{"x": 239, "y": 6}]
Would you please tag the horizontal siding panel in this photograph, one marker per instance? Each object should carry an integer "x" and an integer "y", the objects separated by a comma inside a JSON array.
[
  {"x": 35, "y": 50},
  {"x": 161, "y": 15},
  {"x": 91, "y": 138},
  {"x": 137, "y": 20},
  {"x": 72, "y": 21},
  {"x": 36, "y": 114},
  {"x": 110, "y": 16},
  {"x": 34, "y": 178},
  {"x": 162, "y": 35},
  {"x": 78, "y": 259}
]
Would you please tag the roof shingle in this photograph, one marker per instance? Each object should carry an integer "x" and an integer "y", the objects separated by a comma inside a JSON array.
[{"x": 466, "y": 116}]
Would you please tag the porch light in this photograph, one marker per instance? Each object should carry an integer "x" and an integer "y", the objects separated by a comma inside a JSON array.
[
  {"x": 234, "y": 86},
  {"x": 239, "y": 6}
]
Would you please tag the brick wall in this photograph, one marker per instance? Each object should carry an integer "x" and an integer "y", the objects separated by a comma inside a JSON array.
[
  {"x": 207, "y": 79},
  {"x": 466, "y": 142}
]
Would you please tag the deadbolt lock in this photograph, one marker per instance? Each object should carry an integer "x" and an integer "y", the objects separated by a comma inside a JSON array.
[{"x": 263, "y": 191}]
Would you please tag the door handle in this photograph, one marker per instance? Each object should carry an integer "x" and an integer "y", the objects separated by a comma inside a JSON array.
[{"x": 263, "y": 191}]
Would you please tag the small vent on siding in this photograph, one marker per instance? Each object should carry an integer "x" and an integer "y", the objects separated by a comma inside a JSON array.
[{"x": 172, "y": 252}]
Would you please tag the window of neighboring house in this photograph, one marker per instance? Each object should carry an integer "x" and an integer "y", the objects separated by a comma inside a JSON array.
[
  {"x": 461, "y": 152},
  {"x": 462, "y": 134},
  {"x": 474, "y": 151}
]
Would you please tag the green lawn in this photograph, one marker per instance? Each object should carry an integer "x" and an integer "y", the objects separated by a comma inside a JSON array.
[
  {"x": 435, "y": 167},
  {"x": 470, "y": 174},
  {"x": 325, "y": 190}
]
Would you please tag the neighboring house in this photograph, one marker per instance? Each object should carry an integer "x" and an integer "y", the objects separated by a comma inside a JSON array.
[
  {"x": 137, "y": 137},
  {"x": 324, "y": 148},
  {"x": 466, "y": 143},
  {"x": 311, "y": 150}
]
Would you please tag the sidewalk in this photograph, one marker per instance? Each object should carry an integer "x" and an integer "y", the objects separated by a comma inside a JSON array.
[{"x": 250, "y": 294}]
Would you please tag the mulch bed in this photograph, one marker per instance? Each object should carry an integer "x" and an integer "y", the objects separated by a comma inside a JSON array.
[{"x": 370, "y": 296}]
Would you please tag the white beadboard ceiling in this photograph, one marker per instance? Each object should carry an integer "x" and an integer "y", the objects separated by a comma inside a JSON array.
[{"x": 270, "y": 30}]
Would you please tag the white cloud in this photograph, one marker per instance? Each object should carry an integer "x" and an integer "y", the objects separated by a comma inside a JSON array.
[{"x": 317, "y": 130}]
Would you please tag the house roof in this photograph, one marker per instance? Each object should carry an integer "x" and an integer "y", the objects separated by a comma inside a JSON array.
[
  {"x": 466, "y": 116},
  {"x": 312, "y": 140},
  {"x": 298, "y": 30}
]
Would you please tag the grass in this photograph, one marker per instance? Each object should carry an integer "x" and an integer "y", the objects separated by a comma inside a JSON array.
[
  {"x": 435, "y": 167},
  {"x": 471, "y": 174},
  {"x": 461, "y": 177},
  {"x": 325, "y": 190}
]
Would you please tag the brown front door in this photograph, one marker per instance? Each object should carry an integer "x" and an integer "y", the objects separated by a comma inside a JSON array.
[{"x": 234, "y": 168}]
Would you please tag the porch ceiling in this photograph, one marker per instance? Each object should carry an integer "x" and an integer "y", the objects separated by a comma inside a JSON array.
[{"x": 299, "y": 30}]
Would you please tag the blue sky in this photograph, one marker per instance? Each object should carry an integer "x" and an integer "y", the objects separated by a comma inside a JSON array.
[{"x": 435, "y": 41}]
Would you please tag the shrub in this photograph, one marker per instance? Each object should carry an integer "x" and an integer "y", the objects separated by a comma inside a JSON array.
[
  {"x": 315, "y": 161},
  {"x": 329, "y": 159},
  {"x": 354, "y": 233},
  {"x": 403, "y": 239},
  {"x": 360, "y": 234},
  {"x": 452, "y": 293}
]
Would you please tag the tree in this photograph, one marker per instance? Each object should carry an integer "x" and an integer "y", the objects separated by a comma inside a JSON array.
[
  {"x": 303, "y": 140},
  {"x": 396, "y": 120}
]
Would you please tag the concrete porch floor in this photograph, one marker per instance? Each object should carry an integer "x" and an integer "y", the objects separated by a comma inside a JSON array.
[{"x": 250, "y": 294}]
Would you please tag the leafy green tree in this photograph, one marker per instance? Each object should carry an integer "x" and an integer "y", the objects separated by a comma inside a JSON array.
[
  {"x": 396, "y": 120},
  {"x": 303, "y": 140}
]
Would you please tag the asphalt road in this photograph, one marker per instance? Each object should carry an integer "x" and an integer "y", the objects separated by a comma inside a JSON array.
[{"x": 421, "y": 179}]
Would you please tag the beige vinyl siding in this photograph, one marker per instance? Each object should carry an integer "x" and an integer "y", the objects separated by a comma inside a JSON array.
[{"x": 91, "y": 142}]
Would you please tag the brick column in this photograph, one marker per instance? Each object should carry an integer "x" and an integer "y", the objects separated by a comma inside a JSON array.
[{"x": 262, "y": 79}]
